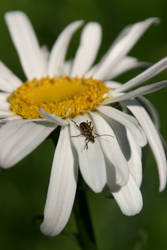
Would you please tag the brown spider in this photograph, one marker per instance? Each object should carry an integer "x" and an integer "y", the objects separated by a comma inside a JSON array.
[{"x": 87, "y": 130}]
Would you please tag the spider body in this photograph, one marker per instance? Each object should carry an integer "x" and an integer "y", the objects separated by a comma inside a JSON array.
[{"x": 86, "y": 129}]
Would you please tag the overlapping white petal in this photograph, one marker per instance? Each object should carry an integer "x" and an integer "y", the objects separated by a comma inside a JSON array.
[
  {"x": 67, "y": 67},
  {"x": 129, "y": 198},
  {"x": 53, "y": 118},
  {"x": 5, "y": 114},
  {"x": 146, "y": 75},
  {"x": 45, "y": 52},
  {"x": 135, "y": 159},
  {"x": 62, "y": 187},
  {"x": 151, "y": 110},
  {"x": 130, "y": 149},
  {"x": 19, "y": 138},
  {"x": 8, "y": 81},
  {"x": 58, "y": 52},
  {"x": 122, "y": 47},
  {"x": 9, "y": 118},
  {"x": 25, "y": 41},
  {"x": 4, "y": 106},
  {"x": 87, "y": 51},
  {"x": 153, "y": 138},
  {"x": 138, "y": 92},
  {"x": 117, "y": 166},
  {"x": 91, "y": 160},
  {"x": 127, "y": 120},
  {"x": 3, "y": 96},
  {"x": 125, "y": 64},
  {"x": 112, "y": 84}
]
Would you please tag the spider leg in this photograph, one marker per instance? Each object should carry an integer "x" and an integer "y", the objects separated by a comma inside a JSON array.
[
  {"x": 86, "y": 145},
  {"x": 86, "y": 142},
  {"x": 76, "y": 135},
  {"x": 89, "y": 123},
  {"x": 76, "y": 124},
  {"x": 96, "y": 135},
  {"x": 92, "y": 128}
]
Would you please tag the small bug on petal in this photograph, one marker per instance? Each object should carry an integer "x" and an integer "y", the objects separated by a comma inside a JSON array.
[{"x": 87, "y": 130}]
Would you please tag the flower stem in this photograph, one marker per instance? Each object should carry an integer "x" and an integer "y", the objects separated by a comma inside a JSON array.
[{"x": 86, "y": 236}]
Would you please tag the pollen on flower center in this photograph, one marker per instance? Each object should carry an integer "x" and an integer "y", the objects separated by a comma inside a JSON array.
[{"x": 56, "y": 96}]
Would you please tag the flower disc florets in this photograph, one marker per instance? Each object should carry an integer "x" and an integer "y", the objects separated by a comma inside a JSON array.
[{"x": 56, "y": 96}]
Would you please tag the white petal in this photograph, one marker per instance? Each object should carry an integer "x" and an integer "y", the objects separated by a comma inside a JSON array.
[
  {"x": 4, "y": 106},
  {"x": 91, "y": 160},
  {"x": 129, "y": 198},
  {"x": 135, "y": 163},
  {"x": 62, "y": 187},
  {"x": 45, "y": 52},
  {"x": 9, "y": 118},
  {"x": 18, "y": 139},
  {"x": 23, "y": 36},
  {"x": 127, "y": 120},
  {"x": 8, "y": 81},
  {"x": 164, "y": 144},
  {"x": 67, "y": 67},
  {"x": 130, "y": 149},
  {"x": 122, "y": 34},
  {"x": 153, "y": 139},
  {"x": 53, "y": 118},
  {"x": 87, "y": 51},
  {"x": 117, "y": 165},
  {"x": 58, "y": 52},
  {"x": 6, "y": 114},
  {"x": 122, "y": 47},
  {"x": 112, "y": 84},
  {"x": 151, "y": 110},
  {"x": 138, "y": 92},
  {"x": 3, "y": 96},
  {"x": 146, "y": 75},
  {"x": 91, "y": 71},
  {"x": 127, "y": 63}
]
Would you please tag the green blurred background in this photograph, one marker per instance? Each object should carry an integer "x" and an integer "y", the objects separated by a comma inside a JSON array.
[{"x": 23, "y": 188}]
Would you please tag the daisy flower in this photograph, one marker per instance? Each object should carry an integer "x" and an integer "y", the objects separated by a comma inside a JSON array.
[{"x": 114, "y": 121}]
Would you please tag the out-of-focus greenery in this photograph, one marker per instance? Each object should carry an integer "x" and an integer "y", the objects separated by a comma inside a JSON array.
[{"x": 23, "y": 188}]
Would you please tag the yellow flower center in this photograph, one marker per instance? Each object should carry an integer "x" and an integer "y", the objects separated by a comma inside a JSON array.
[{"x": 63, "y": 96}]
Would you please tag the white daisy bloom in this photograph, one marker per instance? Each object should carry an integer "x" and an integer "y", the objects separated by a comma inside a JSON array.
[{"x": 82, "y": 100}]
